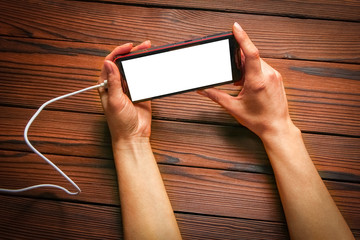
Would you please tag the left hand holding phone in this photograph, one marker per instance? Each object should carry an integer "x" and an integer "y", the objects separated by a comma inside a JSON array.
[
  {"x": 127, "y": 121},
  {"x": 145, "y": 207}
]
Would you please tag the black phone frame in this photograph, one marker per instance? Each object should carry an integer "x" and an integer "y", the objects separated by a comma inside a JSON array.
[{"x": 236, "y": 71}]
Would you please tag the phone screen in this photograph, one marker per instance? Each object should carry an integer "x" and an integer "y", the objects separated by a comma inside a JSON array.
[{"x": 178, "y": 70}]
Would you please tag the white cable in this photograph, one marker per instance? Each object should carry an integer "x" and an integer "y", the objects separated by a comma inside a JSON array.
[{"x": 104, "y": 84}]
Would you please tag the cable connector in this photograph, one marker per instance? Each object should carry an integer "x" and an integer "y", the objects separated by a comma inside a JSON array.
[{"x": 104, "y": 84}]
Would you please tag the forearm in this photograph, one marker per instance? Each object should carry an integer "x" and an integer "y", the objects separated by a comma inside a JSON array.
[
  {"x": 146, "y": 209},
  {"x": 309, "y": 209}
]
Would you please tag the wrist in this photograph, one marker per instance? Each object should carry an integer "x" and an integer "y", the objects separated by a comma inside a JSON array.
[
  {"x": 132, "y": 153},
  {"x": 130, "y": 144},
  {"x": 283, "y": 132},
  {"x": 283, "y": 147}
]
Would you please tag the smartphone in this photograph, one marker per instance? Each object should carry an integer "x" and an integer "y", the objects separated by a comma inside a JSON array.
[{"x": 179, "y": 67}]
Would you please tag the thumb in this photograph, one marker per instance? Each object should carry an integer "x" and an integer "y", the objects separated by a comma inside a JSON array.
[
  {"x": 113, "y": 77},
  {"x": 223, "y": 99}
]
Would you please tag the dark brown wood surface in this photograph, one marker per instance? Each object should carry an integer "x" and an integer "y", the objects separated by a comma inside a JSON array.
[
  {"x": 216, "y": 172},
  {"x": 319, "y": 9}
]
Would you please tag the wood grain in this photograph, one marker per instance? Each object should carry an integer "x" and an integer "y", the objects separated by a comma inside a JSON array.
[
  {"x": 189, "y": 144},
  {"x": 191, "y": 190},
  {"x": 276, "y": 37},
  {"x": 216, "y": 172},
  {"x": 330, "y": 90},
  {"x": 26, "y": 216},
  {"x": 209, "y": 227},
  {"x": 333, "y": 9}
]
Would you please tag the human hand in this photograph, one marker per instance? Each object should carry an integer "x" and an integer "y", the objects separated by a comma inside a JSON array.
[
  {"x": 261, "y": 104},
  {"x": 127, "y": 121}
]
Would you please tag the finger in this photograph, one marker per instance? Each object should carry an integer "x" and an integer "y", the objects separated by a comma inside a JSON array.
[
  {"x": 113, "y": 77},
  {"x": 240, "y": 82},
  {"x": 218, "y": 96},
  {"x": 103, "y": 76},
  {"x": 251, "y": 53},
  {"x": 141, "y": 46},
  {"x": 241, "y": 65},
  {"x": 123, "y": 49}
]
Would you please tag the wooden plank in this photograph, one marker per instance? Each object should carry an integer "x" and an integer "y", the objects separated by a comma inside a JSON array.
[
  {"x": 54, "y": 219},
  {"x": 194, "y": 190},
  {"x": 189, "y": 144},
  {"x": 334, "y": 9},
  {"x": 207, "y": 227},
  {"x": 28, "y": 218},
  {"x": 276, "y": 37},
  {"x": 330, "y": 90},
  {"x": 248, "y": 201}
]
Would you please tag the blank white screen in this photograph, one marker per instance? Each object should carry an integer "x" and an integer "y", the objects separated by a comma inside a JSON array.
[{"x": 178, "y": 70}]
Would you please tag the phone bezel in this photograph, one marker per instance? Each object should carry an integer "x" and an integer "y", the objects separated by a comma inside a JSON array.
[{"x": 236, "y": 73}]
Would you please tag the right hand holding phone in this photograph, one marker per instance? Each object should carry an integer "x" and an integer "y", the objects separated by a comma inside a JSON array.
[{"x": 261, "y": 105}]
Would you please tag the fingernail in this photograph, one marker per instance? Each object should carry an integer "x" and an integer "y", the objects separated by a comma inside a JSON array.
[
  {"x": 108, "y": 66},
  {"x": 127, "y": 45},
  {"x": 202, "y": 92},
  {"x": 237, "y": 27}
]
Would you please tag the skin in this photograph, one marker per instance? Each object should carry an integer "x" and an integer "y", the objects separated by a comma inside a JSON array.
[
  {"x": 145, "y": 206},
  {"x": 260, "y": 106}
]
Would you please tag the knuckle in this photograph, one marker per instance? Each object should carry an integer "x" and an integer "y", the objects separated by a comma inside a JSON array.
[
  {"x": 272, "y": 75},
  {"x": 116, "y": 103},
  {"x": 215, "y": 97},
  {"x": 257, "y": 86},
  {"x": 278, "y": 75},
  {"x": 254, "y": 53},
  {"x": 261, "y": 86}
]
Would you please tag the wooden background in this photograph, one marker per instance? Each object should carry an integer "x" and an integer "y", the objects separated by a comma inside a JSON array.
[{"x": 216, "y": 172}]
